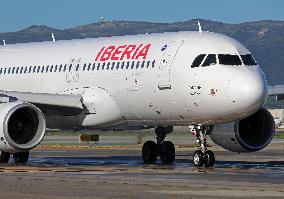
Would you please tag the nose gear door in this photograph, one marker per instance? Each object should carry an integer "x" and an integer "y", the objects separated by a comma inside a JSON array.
[{"x": 164, "y": 72}]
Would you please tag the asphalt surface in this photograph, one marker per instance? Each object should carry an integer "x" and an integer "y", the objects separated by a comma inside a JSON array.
[{"x": 120, "y": 173}]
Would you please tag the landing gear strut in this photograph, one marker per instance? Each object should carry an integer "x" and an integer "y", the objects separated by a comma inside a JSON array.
[
  {"x": 21, "y": 157},
  {"x": 4, "y": 157},
  {"x": 164, "y": 149},
  {"x": 203, "y": 156}
]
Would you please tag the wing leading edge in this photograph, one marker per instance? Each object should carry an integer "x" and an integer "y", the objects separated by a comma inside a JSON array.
[{"x": 49, "y": 103}]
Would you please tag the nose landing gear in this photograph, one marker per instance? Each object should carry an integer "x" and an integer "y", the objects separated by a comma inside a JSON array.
[
  {"x": 203, "y": 156},
  {"x": 164, "y": 149}
]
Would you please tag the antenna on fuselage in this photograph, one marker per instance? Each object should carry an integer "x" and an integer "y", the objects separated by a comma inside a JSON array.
[
  {"x": 199, "y": 27},
  {"x": 4, "y": 42},
  {"x": 53, "y": 37}
]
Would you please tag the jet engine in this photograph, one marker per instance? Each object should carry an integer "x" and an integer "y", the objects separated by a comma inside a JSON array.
[
  {"x": 247, "y": 135},
  {"x": 22, "y": 126}
]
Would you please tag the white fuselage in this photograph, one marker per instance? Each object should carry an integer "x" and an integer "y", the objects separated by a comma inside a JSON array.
[{"x": 149, "y": 78}]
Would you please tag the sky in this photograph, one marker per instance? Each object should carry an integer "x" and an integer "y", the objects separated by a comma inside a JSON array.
[{"x": 19, "y": 14}]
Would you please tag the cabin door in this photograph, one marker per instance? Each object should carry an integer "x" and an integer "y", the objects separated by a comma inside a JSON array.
[{"x": 164, "y": 72}]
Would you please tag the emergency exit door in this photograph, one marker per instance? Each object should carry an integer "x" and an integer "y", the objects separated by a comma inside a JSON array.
[{"x": 165, "y": 65}]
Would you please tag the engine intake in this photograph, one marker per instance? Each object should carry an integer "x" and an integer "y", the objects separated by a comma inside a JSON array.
[
  {"x": 247, "y": 135},
  {"x": 22, "y": 126}
]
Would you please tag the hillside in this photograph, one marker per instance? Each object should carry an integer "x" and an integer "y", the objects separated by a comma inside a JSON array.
[{"x": 264, "y": 38}]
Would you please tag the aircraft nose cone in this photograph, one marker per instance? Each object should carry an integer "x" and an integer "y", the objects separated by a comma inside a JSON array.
[{"x": 248, "y": 91}]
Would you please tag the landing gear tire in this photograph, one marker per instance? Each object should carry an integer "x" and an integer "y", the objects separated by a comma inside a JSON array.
[
  {"x": 150, "y": 152},
  {"x": 167, "y": 152},
  {"x": 198, "y": 158},
  {"x": 4, "y": 157},
  {"x": 209, "y": 159},
  {"x": 21, "y": 157}
]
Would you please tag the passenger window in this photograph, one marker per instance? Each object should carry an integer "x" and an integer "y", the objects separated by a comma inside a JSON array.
[
  {"x": 89, "y": 66},
  {"x": 55, "y": 68},
  {"x": 198, "y": 60},
  {"x": 137, "y": 64},
  {"x": 127, "y": 65},
  {"x": 98, "y": 66},
  {"x": 113, "y": 64},
  {"x": 132, "y": 65},
  {"x": 51, "y": 68},
  {"x": 248, "y": 60},
  {"x": 77, "y": 67},
  {"x": 232, "y": 60},
  {"x": 142, "y": 64},
  {"x": 210, "y": 60},
  {"x": 153, "y": 64},
  {"x": 148, "y": 64},
  {"x": 122, "y": 65},
  {"x": 94, "y": 66},
  {"x": 117, "y": 65}
]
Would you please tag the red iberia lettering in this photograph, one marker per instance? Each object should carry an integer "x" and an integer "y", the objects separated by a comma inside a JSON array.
[
  {"x": 143, "y": 52},
  {"x": 133, "y": 56},
  {"x": 107, "y": 53},
  {"x": 99, "y": 54},
  {"x": 127, "y": 52},
  {"x": 123, "y": 52},
  {"x": 117, "y": 52}
]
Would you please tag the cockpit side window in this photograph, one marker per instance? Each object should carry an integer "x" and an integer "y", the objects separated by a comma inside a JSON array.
[
  {"x": 248, "y": 60},
  {"x": 198, "y": 60},
  {"x": 232, "y": 60},
  {"x": 210, "y": 60}
]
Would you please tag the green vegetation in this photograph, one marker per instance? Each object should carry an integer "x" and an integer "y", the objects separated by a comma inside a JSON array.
[{"x": 278, "y": 136}]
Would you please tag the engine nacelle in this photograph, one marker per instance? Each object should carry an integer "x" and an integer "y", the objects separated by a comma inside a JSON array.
[
  {"x": 247, "y": 135},
  {"x": 22, "y": 126}
]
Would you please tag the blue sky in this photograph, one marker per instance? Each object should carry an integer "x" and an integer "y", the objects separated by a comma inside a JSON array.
[{"x": 18, "y": 14}]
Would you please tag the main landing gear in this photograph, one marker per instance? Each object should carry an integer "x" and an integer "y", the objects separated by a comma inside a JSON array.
[
  {"x": 164, "y": 149},
  {"x": 19, "y": 158},
  {"x": 203, "y": 156}
]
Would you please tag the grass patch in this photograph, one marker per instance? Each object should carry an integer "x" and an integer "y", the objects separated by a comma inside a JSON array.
[{"x": 279, "y": 136}]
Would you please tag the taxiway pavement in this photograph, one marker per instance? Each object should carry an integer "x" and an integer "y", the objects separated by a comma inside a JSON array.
[{"x": 120, "y": 173}]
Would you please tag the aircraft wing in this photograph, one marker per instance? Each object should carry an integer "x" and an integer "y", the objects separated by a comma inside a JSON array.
[
  {"x": 49, "y": 103},
  {"x": 277, "y": 90}
]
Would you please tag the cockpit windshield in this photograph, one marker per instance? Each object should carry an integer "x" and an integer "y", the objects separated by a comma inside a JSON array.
[
  {"x": 232, "y": 60},
  {"x": 248, "y": 60},
  {"x": 198, "y": 60},
  {"x": 204, "y": 60},
  {"x": 210, "y": 60}
]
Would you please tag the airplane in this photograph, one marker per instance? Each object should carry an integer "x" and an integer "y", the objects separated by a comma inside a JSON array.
[{"x": 143, "y": 81}]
